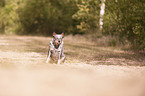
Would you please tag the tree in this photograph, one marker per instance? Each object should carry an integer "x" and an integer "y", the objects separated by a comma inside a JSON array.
[
  {"x": 126, "y": 19},
  {"x": 102, "y": 11},
  {"x": 87, "y": 16}
]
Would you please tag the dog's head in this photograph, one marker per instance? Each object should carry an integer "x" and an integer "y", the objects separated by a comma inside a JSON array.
[{"x": 58, "y": 38}]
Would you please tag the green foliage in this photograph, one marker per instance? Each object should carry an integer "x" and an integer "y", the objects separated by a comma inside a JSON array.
[
  {"x": 8, "y": 17},
  {"x": 2, "y": 27},
  {"x": 87, "y": 15},
  {"x": 46, "y": 16},
  {"x": 2, "y": 3},
  {"x": 126, "y": 19},
  {"x": 38, "y": 16}
]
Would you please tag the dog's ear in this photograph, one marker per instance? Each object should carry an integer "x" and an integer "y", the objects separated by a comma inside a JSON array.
[
  {"x": 54, "y": 33},
  {"x": 62, "y": 34}
]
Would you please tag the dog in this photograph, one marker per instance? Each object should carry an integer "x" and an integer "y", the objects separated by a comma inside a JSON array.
[{"x": 55, "y": 52}]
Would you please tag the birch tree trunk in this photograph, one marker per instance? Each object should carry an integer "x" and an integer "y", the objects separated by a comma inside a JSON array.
[{"x": 102, "y": 11}]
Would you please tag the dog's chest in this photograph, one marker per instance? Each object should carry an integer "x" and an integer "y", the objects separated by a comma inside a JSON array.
[
  {"x": 55, "y": 55},
  {"x": 55, "y": 52}
]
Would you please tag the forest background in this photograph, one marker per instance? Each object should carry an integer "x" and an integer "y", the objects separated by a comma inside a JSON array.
[{"x": 123, "y": 20}]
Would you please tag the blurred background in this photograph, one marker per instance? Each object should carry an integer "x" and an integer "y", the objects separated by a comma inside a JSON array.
[{"x": 122, "y": 22}]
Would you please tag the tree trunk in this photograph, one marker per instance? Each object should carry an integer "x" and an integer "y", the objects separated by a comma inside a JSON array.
[{"x": 102, "y": 11}]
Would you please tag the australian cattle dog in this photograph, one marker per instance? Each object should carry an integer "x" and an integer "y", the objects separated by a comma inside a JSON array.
[{"x": 55, "y": 52}]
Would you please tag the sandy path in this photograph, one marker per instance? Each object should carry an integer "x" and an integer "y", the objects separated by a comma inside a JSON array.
[{"x": 23, "y": 72}]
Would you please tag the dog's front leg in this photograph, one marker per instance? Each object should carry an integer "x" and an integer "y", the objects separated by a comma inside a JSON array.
[
  {"x": 63, "y": 59},
  {"x": 48, "y": 58},
  {"x": 59, "y": 60}
]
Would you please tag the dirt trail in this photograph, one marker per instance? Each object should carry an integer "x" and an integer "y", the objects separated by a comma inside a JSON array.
[{"x": 98, "y": 72}]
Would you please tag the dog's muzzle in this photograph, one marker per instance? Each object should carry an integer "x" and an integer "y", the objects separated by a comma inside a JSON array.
[{"x": 57, "y": 42}]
